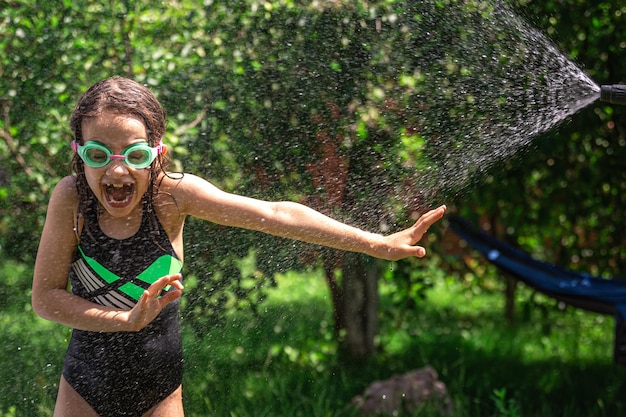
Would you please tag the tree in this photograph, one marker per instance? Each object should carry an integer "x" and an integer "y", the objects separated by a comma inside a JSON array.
[{"x": 367, "y": 111}]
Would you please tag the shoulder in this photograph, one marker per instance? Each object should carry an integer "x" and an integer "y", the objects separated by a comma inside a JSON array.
[
  {"x": 62, "y": 211},
  {"x": 197, "y": 197},
  {"x": 65, "y": 192},
  {"x": 180, "y": 195},
  {"x": 178, "y": 179},
  {"x": 183, "y": 187}
]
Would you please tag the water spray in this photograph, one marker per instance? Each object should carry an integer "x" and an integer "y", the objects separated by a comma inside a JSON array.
[{"x": 615, "y": 94}]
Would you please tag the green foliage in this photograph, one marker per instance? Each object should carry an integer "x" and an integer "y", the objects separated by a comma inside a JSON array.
[
  {"x": 506, "y": 407},
  {"x": 325, "y": 103},
  {"x": 407, "y": 285}
]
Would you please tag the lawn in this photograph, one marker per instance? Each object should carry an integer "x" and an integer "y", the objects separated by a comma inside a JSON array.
[{"x": 551, "y": 362}]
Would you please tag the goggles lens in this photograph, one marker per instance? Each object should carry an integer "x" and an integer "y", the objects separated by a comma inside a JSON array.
[{"x": 138, "y": 156}]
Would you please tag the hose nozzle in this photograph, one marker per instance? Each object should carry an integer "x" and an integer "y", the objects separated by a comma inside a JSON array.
[{"x": 615, "y": 94}]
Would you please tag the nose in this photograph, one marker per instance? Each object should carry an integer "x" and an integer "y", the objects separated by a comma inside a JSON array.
[{"x": 117, "y": 167}]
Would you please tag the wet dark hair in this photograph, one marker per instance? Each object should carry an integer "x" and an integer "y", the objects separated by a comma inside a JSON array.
[{"x": 124, "y": 96}]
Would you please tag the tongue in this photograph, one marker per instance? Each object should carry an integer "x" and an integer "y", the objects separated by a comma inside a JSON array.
[{"x": 118, "y": 194}]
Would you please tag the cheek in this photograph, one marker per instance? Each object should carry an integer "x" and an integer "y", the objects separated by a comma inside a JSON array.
[
  {"x": 142, "y": 181},
  {"x": 93, "y": 179}
]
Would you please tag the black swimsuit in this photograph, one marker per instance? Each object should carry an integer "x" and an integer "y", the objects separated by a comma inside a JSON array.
[{"x": 124, "y": 373}]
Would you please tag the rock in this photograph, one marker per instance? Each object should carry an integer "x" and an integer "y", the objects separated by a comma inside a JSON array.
[{"x": 405, "y": 393}]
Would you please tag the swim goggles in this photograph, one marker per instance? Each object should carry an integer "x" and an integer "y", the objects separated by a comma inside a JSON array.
[{"x": 138, "y": 156}]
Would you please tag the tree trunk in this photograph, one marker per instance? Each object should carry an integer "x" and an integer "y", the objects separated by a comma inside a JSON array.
[
  {"x": 509, "y": 294},
  {"x": 353, "y": 282},
  {"x": 360, "y": 306}
]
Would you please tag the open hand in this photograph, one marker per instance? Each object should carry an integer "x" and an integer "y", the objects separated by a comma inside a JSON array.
[
  {"x": 402, "y": 244},
  {"x": 151, "y": 303}
]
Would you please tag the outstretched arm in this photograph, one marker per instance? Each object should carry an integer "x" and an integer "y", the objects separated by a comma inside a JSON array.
[{"x": 199, "y": 198}]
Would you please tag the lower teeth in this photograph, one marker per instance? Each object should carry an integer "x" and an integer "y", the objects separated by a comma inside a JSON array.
[{"x": 119, "y": 195}]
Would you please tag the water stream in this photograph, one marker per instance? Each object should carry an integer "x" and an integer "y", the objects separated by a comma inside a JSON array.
[{"x": 491, "y": 83}]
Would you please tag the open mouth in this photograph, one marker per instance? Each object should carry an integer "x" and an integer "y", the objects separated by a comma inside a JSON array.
[{"x": 119, "y": 195}]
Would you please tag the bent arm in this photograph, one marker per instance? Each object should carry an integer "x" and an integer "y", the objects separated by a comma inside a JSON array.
[
  {"x": 296, "y": 221},
  {"x": 51, "y": 299}
]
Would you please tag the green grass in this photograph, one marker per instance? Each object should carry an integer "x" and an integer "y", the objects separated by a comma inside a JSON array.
[{"x": 283, "y": 363}]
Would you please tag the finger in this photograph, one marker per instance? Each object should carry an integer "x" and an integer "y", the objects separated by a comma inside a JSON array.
[
  {"x": 174, "y": 281},
  {"x": 158, "y": 285},
  {"x": 420, "y": 252},
  {"x": 178, "y": 284},
  {"x": 422, "y": 225},
  {"x": 428, "y": 219},
  {"x": 169, "y": 297},
  {"x": 143, "y": 299},
  {"x": 435, "y": 214}
]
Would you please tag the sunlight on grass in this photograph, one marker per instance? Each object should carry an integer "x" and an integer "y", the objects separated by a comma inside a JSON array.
[
  {"x": 569, "y": 334},
  {"x": 284, "y": 362},
  {"x": 33, "y": 352},
  {"x": 297, "y": 287}
]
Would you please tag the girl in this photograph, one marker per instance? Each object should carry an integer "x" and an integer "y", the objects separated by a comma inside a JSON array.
[{"x": 114, "y": 231}]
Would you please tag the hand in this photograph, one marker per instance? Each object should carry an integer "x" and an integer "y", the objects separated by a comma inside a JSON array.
[
  {"x": 402, "y": 244},
  {"x": 150, "y": 305}
]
